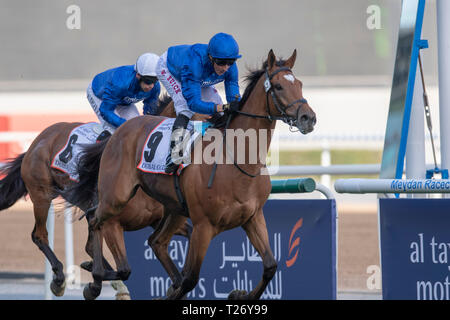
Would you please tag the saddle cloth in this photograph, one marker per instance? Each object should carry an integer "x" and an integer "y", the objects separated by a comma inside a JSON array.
[
  {"x": 67, "y": 159},
  {"x": 156, "y": 147}
]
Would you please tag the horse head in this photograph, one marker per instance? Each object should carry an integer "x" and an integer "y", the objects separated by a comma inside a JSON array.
[{"x": 288, "y": 103}]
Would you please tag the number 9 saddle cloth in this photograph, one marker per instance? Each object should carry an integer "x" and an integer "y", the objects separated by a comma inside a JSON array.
[{"x": 156, "y": 148}]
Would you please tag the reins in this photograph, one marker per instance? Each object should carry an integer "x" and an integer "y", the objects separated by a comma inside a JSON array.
[{"x": 268, "y": 88}]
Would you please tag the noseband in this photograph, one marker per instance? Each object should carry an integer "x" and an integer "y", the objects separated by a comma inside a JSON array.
[{"x": 268, "y": 88}]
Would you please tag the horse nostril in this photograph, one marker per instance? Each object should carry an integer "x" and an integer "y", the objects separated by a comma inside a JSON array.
[
  {"x": 314, "y": 120},
  {"x": 304, "y": 118}
]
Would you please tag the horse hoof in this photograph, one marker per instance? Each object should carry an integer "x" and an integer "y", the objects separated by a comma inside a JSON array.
[
  {"x": 237, "y": 295},
  {"x": 115, "y": 284},
  {"x": 123, "y": 296},
  {"x": 87, "y": 265},
  {"x": 58, "y": 290},
  {"x": 172, "y": 293},
  {"x": 89, "y": 293}
]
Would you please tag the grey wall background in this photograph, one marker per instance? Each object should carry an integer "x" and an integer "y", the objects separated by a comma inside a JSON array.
[{"x": 331, "y": 36}]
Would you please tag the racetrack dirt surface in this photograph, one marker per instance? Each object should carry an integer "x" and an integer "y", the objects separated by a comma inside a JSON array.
[{"x": 357, "y": 244}]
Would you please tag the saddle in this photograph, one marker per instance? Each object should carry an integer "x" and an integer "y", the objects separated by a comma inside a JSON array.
[{"x": 67, "y": 159}]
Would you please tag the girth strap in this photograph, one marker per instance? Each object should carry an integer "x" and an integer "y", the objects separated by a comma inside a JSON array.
[{"x": 176, "y": 179}]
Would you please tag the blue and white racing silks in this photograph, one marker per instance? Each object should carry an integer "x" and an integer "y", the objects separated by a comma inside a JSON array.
[
  {"x": 119, "y": 86},
  {"x": 191, "y": 65}
]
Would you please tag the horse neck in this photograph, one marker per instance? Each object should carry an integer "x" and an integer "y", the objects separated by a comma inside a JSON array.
[
  {"x": 168, "y": 111},
  {"x": 260, "y": 129},
  {"x": 256, "y": 104}
]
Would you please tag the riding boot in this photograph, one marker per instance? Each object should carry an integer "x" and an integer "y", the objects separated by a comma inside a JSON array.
[
  {"x": 105, "y": 134},
  {"x": 178, "y": 132}
]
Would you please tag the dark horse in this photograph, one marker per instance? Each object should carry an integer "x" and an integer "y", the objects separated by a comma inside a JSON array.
[
  {"x": 235, "y": 198},
  {"x": 31, "y": 173}
]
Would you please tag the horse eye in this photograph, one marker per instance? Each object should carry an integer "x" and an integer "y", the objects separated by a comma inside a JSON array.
[{"x": 278, "y": 86}]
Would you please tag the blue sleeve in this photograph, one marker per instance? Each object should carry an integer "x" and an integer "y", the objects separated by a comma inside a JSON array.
[
  {"x": 232, "y": 84},
  {"x": 151, "y": 103},
  {"x": 192, "y": 92},
  {"x": 111, "y": 99}
]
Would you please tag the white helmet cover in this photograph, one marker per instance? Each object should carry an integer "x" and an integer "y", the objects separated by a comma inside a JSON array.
[{"x": 146, "y": 64}]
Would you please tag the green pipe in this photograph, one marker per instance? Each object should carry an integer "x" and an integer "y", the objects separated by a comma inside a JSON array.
[{"x": 299, "y": 185}]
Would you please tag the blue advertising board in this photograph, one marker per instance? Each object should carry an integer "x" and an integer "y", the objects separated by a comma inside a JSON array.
[
  {"x": 302, "y": 236},
  {"x": 415, "y": 248}
]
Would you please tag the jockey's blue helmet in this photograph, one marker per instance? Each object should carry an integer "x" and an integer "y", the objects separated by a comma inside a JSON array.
[{"x": 223, "y": 46}]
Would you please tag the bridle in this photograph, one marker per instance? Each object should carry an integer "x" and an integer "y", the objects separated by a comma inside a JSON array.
[
  {"x": 291, "y": 121},
  {"x": 268, "y": 88}
]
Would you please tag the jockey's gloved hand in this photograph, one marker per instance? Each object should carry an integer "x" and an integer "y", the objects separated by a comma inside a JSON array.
[
  {"x": 150, "y": 108},
  {"x": 231, "y": 107}
]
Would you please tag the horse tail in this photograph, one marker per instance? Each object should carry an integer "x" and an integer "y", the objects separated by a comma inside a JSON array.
[
  {"x": 84, "y": 193},
  {"x": 12, "y": 187}
]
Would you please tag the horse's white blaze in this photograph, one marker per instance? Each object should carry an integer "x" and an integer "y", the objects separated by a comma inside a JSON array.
[{"x": 289, "y": 77}]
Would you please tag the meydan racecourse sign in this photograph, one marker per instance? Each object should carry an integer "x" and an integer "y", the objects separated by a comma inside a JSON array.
[
  {"x": 392, "y": 185},
  {"x": 426, "y": 185},
  {"x": 302, "y": 236}
]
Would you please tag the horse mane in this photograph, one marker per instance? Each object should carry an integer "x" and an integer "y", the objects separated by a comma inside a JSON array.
[
  {"x": 252, "y": 79},
  {"x": 219, "y": 121},
  {"x": 163, "y": 103}
]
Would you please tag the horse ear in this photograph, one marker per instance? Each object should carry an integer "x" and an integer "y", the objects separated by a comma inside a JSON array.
[
  {"x": 291, "y": 61},
  {"x": 271, "y": 59}
]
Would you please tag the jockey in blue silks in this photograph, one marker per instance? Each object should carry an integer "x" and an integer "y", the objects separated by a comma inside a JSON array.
[
  {"x": 189, "y": 73},
  {"x": 112, "y": 93}
]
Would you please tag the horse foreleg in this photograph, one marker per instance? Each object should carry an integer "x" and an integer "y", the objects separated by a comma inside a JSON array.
[
  {"x": 159, "y": 241},
  {"x": 198, "y": 245},
  {"x": 257, "y": 233},
  {"x": 87, "y": 265},
  {"x": 41, "y": 205},
  {"x": 113, "y": 197},
  {"x": 92, "y": 290},
  {"x": 118, "y": 285},
  {"x": 113, "y": 234}
]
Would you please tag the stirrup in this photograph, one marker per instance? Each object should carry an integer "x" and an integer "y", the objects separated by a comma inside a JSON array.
[
  {"x": 171, "y": 167},
  {"x": 102, "y": 136}
]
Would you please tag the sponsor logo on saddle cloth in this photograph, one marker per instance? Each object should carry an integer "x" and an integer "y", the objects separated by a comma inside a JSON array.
[
  {"x": 156, "y": 148},
  {"x": 67, "y": 159}
]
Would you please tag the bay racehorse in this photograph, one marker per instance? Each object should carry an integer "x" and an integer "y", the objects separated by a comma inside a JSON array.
[
  {"x": 31, "y": 174},
  {"x": 235, "y": 197}
]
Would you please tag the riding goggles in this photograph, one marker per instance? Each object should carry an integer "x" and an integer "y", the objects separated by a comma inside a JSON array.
[
  {"x": 149, "y": 79},
  {"x": 223, "y": 62}
]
